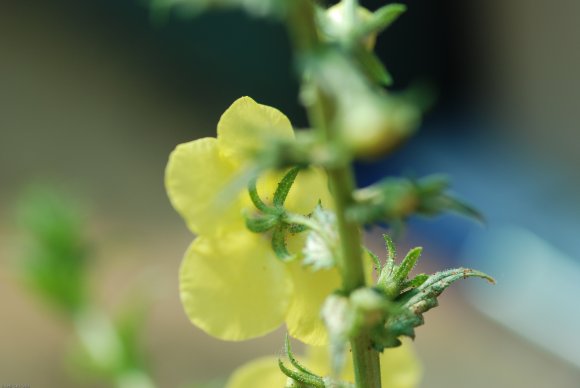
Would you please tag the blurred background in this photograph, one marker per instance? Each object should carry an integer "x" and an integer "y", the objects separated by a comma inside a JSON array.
[{"x": 94, "y": 95}]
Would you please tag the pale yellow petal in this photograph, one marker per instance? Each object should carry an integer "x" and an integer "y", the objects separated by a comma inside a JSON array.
[
  {"x": 310, "y": 291},
  {"x": 233, "y": 287},
  {"x": 400, "y": 367},
  {"x": 246, "y": 127},
  {"x": 260, "y": 373},
  {"x": 310, "y": 187},
  {"x": 195, "y": 178}
]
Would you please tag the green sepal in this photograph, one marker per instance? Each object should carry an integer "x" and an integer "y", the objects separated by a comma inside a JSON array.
[
  {"x": 458, "y": 206},
  {"x": 416, "y": 301},
  {"x": 416, "y": 281},
  {"x": 297, "y": 228},
  {"x": 396, "y": 199},
  {"x": 293, "y": 361},
  {"x": 300, "y": 377},
  {"x": 408, "y": 263},
  {"x": 303, "y": 376},
  {"x": 255, "y": 197},
  {"x": 279, "y": 243},
  {"x": 434, "y": 199},
  {"x": 284, "y": 186},
  {"x": 372, "y": 66},
  {"x": 261, "y": 223},
  {"x": 391, "y": 254},
  {"x": 381, "y": 19},
  {"x": 375, "y": 259}
]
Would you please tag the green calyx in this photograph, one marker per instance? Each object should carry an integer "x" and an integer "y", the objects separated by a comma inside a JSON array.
[
  {"x": 396, "y": 199},
  {"x": 300, "y": 376},
  {"x": 276, "y": 220},
  {"x": 393, "y": 307},
  {"x": 410, "y": 297}
]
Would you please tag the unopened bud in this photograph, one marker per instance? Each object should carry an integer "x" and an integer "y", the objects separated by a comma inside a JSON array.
[
  {"x": 339, "y": 26},
  {"x": 372, "y": 127}
]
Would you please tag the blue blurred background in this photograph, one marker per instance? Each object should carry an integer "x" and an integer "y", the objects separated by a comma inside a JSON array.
[{"x": 95, "y": 94}]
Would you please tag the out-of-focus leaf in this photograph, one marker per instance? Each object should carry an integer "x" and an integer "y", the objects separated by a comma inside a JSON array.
[{"x": 56, "y": 251}]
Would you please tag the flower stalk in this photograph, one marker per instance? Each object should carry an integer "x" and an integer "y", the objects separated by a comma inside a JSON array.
[{"x": 303, "y": 30}]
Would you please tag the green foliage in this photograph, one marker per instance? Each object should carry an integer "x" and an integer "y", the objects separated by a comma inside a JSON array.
[
  {"x": 55, "y": 267},
  {"x": 56, "y": 250}
]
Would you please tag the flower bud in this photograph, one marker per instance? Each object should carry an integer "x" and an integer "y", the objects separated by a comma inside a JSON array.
[
  {"x": 371, "y": 127},
  {"x": 338, "y": 26}
]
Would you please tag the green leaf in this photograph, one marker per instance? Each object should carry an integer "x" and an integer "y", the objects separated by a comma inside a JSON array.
[
  {"x": 56, "y": 254},
  {"x": 284, "y": 186},
  {"x": 279, "y": 244}
]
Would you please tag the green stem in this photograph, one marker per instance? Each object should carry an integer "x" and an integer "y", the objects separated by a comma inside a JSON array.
[
  {"x": 302, "y": 27},
  {"x": 367, "y": 368}
]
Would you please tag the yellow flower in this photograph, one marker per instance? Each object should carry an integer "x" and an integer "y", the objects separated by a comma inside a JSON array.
[
  {"x": 231, "y": 284},
  {"x": 399, "y": 369}
]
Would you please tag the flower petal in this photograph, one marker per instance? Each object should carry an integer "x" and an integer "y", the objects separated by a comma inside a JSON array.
[
  {"x": 246, "y": 126},
  {"x": 399, "y": 366},
  {"x": 232, "y": 286},
  {"x": 195, "y": 176},
  {"x": 310, "y": 187},
  {"x": 260, "y": 373},
  {"x": 310, "y": 290}
]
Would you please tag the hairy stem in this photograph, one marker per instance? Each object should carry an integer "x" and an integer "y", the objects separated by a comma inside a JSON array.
[{"x": 302, "y": 28}]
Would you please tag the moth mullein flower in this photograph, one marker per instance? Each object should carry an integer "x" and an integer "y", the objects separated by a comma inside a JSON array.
[{"x": 232, "y": 285}]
